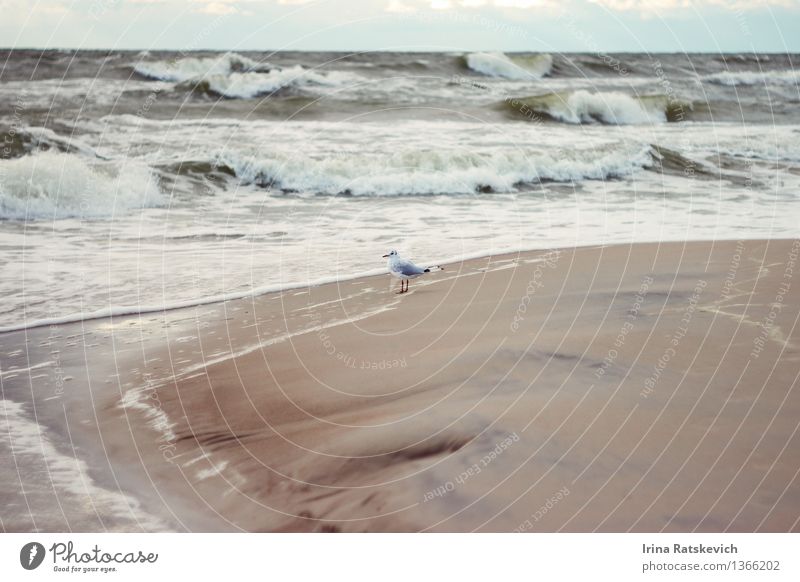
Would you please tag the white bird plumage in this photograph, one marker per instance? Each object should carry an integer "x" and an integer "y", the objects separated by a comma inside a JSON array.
[{"x": 404, "y": 269}]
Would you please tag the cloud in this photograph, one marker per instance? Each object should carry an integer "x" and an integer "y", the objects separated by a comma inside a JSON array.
[
  {"x": 23, "y": 7},
  {"x": 669, "y": 6},
  {"x": 640, "y": 6},
  {"x": 406, "y": 6},
  {"x": 519, "y": 3},
  {"x": 217, "y": 8},
  {"x": 398, "y": 7}
]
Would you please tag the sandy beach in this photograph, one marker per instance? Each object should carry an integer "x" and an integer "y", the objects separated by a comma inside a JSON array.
[{"x": 646, "y": 387}]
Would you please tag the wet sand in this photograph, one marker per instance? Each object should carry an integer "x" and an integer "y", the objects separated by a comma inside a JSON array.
[{"x": 641, "y": 387}]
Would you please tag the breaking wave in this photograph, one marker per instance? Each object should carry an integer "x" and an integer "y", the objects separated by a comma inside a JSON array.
[
  {"x": 52, "y": 185},
  {"x": 236, "y": 77},
  {"x": 17, "y": 142},
  {"x": 732, "y": 79},
  {"x": 424, "y": 171},
  {"x": 183, "y": 69},
  {"x": 250, "y": 85},
  {"x": 612, "y": 108},
  {"x": 518, "y": 68}
]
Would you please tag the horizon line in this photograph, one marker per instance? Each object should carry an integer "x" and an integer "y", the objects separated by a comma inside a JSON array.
[{"x": 367, "y": 51}]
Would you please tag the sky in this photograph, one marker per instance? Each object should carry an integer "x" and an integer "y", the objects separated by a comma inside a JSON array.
[{"x": 410, "y": 25}]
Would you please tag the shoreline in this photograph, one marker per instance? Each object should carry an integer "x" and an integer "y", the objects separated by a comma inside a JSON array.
[
  {"x": 132, "y": 310},
  {"x": 473, "y": 410}
]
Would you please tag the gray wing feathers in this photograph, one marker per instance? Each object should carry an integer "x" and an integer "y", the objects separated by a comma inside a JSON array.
[{"x": 407, "y": 268}]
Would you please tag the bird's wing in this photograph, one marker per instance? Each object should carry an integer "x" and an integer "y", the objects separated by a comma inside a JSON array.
[{"x": 405, "y": 267}]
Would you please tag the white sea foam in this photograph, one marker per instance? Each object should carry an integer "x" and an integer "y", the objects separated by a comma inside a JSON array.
[
  {"x": 57, "y": 93},
  {"x": 186, "y": 68},
  {"x": 433, "y": 171},
  {"x": 141, "y": 399},
  {"x": 13, "y": 372},
  {"x": 65, "y": 475},
  {"x": 518, "y": 68},
  {"x": 122, "y": 310},
  {"x": 42, "y": 136},
  {"x": 212, "y": 471},
  {"x": 160, "y": 260},
  {"x": 51, "y": 185},
  {"x": 612, "y": 108},
  {"x": 733, "y": 79},
  {"x": 249, "y": 85},
  {"x": 137, "y": 397},
  {"x": 238, "y": 77}
]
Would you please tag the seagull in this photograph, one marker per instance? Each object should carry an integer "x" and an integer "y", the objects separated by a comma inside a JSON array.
[{"x": 404, "y": 269}]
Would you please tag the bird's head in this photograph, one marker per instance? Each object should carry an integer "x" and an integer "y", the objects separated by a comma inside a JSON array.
[{"x": 392, "y": 253}]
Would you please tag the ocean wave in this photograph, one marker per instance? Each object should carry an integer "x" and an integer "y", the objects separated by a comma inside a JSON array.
[
  {"x": 236, "y": 77},
  {"x": 51, "y": 185},
  {"x": 14, "y": 143},
  {"x": 18, "y": 142},
  {"x": 250, "y": 85},
  {"x": 428, "y": 171},
  {"x": 733, "y": 79},
  {"x": 47, "y": 139},
  {"x": 612, "y": 108},
  {"x": 518, "y": 68},
  {"x": 183, "y": 69}
]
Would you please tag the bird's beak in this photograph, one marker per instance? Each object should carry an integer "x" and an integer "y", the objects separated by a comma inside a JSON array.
[{"x": 384, "y": 256}]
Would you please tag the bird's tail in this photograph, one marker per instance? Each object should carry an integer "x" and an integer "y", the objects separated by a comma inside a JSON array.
[{"x": 436, "y": 268}]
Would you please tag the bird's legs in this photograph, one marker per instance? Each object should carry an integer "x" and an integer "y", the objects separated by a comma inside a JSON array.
[{"x": 403, "y": 286}]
